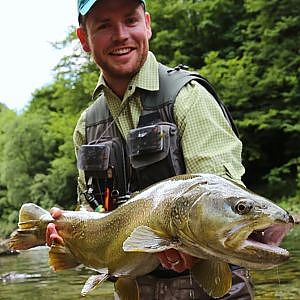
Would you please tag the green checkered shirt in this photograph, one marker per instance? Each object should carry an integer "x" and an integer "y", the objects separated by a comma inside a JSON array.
[{"x": 208, "y": 143}]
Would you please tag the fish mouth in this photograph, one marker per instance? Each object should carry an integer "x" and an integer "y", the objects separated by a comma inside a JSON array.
[
  {"x": 265, "y": 244},
  {"x": 270, "y": 236},
  {"x": 258, "y": 246}
]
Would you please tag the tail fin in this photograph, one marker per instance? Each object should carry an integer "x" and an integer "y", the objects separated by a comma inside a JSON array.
[{"x": 33, "y": 221}]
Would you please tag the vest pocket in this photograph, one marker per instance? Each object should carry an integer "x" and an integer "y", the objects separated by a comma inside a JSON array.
[
  {"x": 154, "y": 153},
  {"x": 104, "y": 166}
]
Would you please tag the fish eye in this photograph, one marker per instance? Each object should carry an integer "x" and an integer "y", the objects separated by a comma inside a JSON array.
[{"x": 243, "y": 207}]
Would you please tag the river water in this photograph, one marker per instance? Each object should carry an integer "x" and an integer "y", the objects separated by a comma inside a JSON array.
[{"x": 34, "y": 280}]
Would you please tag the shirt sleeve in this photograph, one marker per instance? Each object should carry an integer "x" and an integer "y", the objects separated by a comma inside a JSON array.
[
  {"x": 78, "y": 140},
  {"x": 208, "y": 142}
]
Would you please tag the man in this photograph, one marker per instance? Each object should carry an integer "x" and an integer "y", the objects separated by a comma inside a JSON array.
[{"x": 116, "y": 34}]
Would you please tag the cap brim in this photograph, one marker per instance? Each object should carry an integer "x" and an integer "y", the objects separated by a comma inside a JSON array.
[
  {"x": 89, "y": 3},
  {"x": 86, "y": 7}
]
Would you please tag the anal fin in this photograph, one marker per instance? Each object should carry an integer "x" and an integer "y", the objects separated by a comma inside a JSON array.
[
  {"x": 127, "y": 288},
  {"x": 215, "y": 277}
]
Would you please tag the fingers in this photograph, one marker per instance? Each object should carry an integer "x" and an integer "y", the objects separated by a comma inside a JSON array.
[
  {"x": 49, "y": 231},
  {"x": 164, "y": 261},
  {"x": 52, "y": 235},
  {"x": 176, "y": 261},
  {"x": 189, "y": 260},
  {"x": 56, "y": 212}
]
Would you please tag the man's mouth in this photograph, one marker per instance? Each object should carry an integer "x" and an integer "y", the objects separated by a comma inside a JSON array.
[{"x": 121, "y": 51}]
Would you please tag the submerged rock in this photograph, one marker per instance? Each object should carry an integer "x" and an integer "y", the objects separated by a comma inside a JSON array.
[{"x": 11, "y": 276}]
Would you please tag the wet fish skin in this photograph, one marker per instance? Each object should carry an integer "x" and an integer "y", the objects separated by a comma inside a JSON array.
[{"x": 203, "y": 215}]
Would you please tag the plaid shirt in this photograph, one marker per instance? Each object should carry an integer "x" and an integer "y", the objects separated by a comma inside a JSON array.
[{"x": 208, "y": 143}]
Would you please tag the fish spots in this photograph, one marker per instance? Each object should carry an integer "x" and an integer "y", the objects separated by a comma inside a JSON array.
[
  {"x": 176, "y": 216},
  {"x": 217, "y": 280},
  {"x": 180, "y": 211},
  {"x": 78, "y": 229}
]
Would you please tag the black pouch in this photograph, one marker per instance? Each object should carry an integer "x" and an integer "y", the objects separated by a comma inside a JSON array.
[
  {"x": 103, "y": 164},
  {"x": 155, "y": 153}
]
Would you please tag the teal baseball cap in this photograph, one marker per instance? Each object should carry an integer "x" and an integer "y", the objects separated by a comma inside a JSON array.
[{"x": 85, "y": 5}]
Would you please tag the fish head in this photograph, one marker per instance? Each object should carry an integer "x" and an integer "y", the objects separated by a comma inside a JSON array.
[{"x": 229, "y": 222}]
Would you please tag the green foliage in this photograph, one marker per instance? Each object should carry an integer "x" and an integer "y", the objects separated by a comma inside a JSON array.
[
  {"x": 249, "y": 50},
  {"x": 185, "y": 31},
  {"x": 260, "y": 84}
]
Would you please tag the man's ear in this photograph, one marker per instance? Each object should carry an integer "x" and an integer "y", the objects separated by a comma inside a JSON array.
[
  {"x": 148, "y": 25},
  {"x": 82, "y": 36}
]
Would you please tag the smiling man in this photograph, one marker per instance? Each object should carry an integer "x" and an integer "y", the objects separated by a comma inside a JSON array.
[
  {"x": 148, "y": 122},
  {"x": 116, "y": 33}
]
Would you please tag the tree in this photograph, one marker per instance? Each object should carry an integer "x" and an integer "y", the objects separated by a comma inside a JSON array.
[
  {"x": 185, "y": 31},
  {"x": 262, "y": 89},
  {"x": 248, "y": 49}
]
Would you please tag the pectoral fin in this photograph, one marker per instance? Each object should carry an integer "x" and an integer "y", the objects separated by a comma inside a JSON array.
[
  {"x": 127, "y": 289},
  {"x": 145, "y": 239},
  {"x": 214, "y": 277},
  {"x": 93, "y": 282},
  {"x": 60, "y": 258}
]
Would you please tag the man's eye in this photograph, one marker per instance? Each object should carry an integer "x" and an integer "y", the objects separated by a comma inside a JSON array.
[
  {"x": 131, "y": 21},
  {"x": 102, "y": 26}
]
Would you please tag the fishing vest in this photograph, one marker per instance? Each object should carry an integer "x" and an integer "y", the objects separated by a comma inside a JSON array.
[{"x": 152, "y": 151}]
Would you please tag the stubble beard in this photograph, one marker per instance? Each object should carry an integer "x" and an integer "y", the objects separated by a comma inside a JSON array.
[{"x": 117, "y": 73}]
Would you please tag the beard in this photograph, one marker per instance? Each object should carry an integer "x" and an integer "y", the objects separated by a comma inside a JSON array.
[{"x": 121, "y": 71}]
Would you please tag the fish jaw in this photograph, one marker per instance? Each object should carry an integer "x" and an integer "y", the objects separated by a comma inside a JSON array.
[
  {"x": 223, "y": 221},
  {"x": 258, "y": 246},
  {"x": 264, "y": 242}
]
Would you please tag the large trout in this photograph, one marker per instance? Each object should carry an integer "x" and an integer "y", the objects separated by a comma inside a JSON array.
[{"x": 203, "y": 215}]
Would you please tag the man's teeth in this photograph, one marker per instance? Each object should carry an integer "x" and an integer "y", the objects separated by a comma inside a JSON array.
[{"x": 121, "y": 51}]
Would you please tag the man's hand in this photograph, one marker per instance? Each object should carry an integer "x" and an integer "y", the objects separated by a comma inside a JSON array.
[
  {"x": 175, "y": 260},
  {"x": 51, "y": 232}
]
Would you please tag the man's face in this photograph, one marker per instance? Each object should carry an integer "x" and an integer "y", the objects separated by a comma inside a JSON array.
[{"x": 117, "y": 34}]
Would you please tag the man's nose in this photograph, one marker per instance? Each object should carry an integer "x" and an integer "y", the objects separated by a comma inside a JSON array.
[{"x": 120, "y": 32}]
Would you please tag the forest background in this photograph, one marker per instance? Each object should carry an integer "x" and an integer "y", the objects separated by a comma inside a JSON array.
[{"x": 248, "y": 49}]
